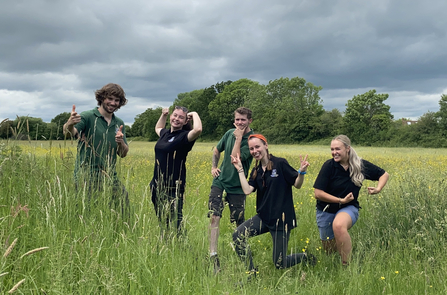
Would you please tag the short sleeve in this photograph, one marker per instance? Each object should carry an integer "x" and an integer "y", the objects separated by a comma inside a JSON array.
[
  {"x": 82, "y": 124},
  {"x": 221, "y": 144},
  {"x": 322, "y": 180},
  {"x": 290, "y": 173},
  {"x": 371, "y": 171}
]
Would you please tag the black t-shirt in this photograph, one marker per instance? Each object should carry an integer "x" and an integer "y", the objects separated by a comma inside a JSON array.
[
  {"x": 171, "y": 150},
  {"x": 335, "y": 180},
  {"x": 274, "y": 200}
]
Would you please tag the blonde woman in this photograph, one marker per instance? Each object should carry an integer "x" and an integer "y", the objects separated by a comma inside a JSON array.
[{"x": 337, "y": 189}]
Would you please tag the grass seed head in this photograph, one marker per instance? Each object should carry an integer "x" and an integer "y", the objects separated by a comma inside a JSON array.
[
  {"x": 9, "y": 250},
  {"x": 33, "y": 251}
]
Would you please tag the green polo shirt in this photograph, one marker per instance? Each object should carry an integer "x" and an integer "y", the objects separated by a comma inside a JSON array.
[
  {"x": 97, "y": 146},
  {"x": 228, "y": 178}
]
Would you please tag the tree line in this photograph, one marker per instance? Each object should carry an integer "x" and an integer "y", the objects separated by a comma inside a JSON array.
[{"x": 286, "y": 110}]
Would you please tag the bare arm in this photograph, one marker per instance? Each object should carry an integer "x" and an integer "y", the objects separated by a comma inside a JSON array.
[
  {"x": 197, "y": 126},
  {"x": 303, "y": 168},
  {"x": 161, "y": 123},
  {"x": 215, "y": 171},
  {"x": 381, "y": 183},
  {"x": 72, "y": 120},
  {"x": 325, "y": 197},
  {"x": 236, "y": 161}
]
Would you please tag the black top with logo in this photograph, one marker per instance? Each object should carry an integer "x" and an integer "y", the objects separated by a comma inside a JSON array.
[
  {"x": 335, "y": 180},
  {"x": 171, "y": 150},
  {"x": 274, "y": 199}
]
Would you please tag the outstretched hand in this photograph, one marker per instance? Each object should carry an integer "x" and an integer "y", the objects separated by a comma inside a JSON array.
[
  {"x": 236, "y": 161},
  {"x": 74, "y": 117},
  {"x": 304, "y": 163},
  {"x": 119, "y": 136}
]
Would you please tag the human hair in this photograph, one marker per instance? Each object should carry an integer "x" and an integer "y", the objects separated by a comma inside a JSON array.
[
  {"x": 244, "y": 111},
  {"x": 269, "y": 164},
  {"x": 188, "y": 125},
  {"x": 110, "y": 90},
  {"x": 355, "y": 162}
]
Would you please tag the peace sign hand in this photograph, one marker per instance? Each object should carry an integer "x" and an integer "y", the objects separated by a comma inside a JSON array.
[{"x": 304, "y": 163}]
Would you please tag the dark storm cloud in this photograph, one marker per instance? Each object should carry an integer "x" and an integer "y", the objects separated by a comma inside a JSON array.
[{"x": 56, "y": 53}]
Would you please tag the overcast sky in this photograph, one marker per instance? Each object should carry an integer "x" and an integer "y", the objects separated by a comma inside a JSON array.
[{"x": 56, "y": 53}]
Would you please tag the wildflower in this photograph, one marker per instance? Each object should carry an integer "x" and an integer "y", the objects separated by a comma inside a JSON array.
[
  {"x": 382, "y": 278},
  {"x": 396, "y": 272}
]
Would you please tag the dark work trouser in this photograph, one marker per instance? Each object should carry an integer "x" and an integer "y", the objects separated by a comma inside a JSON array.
[{"x": 254, "y": 227}]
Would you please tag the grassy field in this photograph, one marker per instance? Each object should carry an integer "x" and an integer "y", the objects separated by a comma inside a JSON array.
[{"x": 398, "y": 242}]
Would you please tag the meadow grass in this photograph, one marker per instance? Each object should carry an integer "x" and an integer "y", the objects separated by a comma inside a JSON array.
[{"x": 53, "y": 242}]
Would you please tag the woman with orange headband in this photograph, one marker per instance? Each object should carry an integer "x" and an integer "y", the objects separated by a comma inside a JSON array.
[{"x": 272, "y": 178}]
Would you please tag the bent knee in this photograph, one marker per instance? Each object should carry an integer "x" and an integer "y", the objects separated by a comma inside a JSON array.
[{"x": 339, "y": 228}]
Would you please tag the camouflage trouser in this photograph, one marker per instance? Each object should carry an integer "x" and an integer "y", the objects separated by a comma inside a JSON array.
[{"x": 236, "y": 203}]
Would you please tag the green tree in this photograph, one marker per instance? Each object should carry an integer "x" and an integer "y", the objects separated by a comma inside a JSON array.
[
  {"x": 442, "y": 114},
  {"x": 199, "y": 101},
  {"x": 128, "y": 131},
  {"x": 144, "y": 124},
  {"x": 328, "y": 125},
  {"x": 29, "y": 128},
  {"x": 59, "y": 121},
  {"x": 287, "y": 110},
  {"x": 367, "y": 118},
  {"x": 5, "y": 128},
  {"x": 226, "y": 102}
]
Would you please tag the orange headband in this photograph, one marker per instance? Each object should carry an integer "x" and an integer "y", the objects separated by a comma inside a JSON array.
[{"x": 260, "y": 136}]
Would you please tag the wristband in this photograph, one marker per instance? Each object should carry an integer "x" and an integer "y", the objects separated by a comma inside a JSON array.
[
  {"x": 240, "y": 170},
  {"x": 301, "y": 172}
]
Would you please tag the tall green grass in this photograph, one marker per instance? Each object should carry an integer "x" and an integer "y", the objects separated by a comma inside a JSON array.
[{"x": 398, "y": 242}]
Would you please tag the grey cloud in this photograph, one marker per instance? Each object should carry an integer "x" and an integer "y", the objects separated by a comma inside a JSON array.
[{"x": 59, "y": 52}]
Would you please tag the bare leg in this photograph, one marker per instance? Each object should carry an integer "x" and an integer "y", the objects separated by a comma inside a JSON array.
[
  {"x": 214, "y": 233},
  {"x": 341, "y": 224},
  {"x": 214, "y": 236}
]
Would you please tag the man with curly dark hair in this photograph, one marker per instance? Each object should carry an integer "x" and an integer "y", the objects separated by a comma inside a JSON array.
[{"x": 102, "y": 137}]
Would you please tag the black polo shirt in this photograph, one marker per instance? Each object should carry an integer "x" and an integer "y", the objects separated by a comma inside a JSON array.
[
  {"x": 335, "y": 180},
  {"x": 171, "y": 150},
  {"x": 274, "y": 200}
]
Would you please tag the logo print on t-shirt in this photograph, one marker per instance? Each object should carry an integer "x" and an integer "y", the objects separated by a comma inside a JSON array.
[
  {"x": 172, "y": 139},
  {"x": 274, "y": 174}
]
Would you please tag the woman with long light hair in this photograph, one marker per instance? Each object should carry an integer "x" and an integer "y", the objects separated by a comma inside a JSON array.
[{"x": 337, "y": 189}]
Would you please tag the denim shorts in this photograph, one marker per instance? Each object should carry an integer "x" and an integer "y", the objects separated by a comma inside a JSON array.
[{"x": 325, "y": 219}]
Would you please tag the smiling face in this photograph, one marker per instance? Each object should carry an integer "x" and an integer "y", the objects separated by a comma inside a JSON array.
[
  {"x": 110, "y": 104},
  {"x": 258, "y": 149},
  {"x": 241, "y": 120},
  {"x": 340, "y": 152},
  {"x": 178, "y": 119}
]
